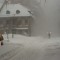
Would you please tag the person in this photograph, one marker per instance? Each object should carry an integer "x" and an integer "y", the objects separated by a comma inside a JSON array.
[
  {"x": 1, "y": 39},
  {"x": 49, "y": 35}
]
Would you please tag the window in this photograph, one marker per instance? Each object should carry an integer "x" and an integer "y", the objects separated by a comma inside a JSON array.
[
  {"x": 7, "y": 12},
  {"x": 30, "y": 12},
  {"x": 17, "y": 11},
  {"x": 26, "y": 22}
]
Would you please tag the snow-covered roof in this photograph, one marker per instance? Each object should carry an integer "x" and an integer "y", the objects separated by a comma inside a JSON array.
[{"x": 13, "y": 8}]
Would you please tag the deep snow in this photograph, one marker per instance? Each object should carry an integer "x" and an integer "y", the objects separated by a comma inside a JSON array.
[{"x": 30, "y": 48}]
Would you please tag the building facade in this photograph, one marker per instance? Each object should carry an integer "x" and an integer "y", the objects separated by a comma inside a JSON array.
[{"x": 15, "y": 19}]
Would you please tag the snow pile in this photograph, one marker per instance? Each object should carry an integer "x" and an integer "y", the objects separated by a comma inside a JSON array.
[
  {"x": 20, "y": 38},
  {"x": 35, "y": 48},
  {"x": 31, "y": 41}
]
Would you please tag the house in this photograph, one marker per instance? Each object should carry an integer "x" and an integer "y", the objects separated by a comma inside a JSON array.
[{"x": 15, "y": 19}]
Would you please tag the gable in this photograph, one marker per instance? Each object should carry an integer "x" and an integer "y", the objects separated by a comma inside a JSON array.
[{"x": 13, "y": 10}]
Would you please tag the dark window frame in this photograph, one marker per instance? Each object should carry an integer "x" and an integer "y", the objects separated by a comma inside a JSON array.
[
  {"x": 7, "y": 12},
  {"x": 17, "y": 11}
]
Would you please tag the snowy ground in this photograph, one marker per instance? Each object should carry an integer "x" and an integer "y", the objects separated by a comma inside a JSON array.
[{"x": 30, "y": 48}]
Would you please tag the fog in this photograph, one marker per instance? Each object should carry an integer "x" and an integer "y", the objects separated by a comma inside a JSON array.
[{"x": 46, "y": 14}]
